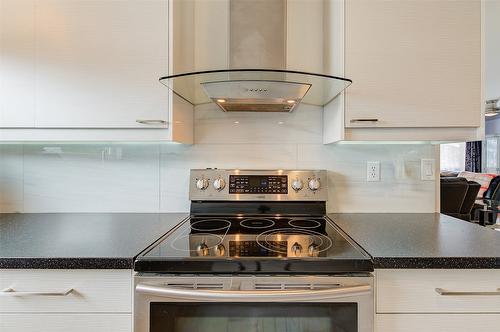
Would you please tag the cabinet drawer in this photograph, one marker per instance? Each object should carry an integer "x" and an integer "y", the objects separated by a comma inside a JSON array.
[
  {"x": 437, "y": 323},
  {"x": 66, "y": 291},
  {"x": 415, "y": 291},
  {"x": 65, "y": 322}
]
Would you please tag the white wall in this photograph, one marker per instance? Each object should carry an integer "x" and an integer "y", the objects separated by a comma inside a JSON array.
[
  {"x": 492, "y": 59},
  {"x": 154, "y": 177},
  {"x": 492, "y": 126},
  {"x": 492, "y": 48}
]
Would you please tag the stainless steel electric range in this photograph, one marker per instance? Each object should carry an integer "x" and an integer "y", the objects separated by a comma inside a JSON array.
[{"x": 254, "y": 237}]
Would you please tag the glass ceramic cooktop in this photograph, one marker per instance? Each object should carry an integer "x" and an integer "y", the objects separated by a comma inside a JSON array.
[{"x": 255, "y": 237}]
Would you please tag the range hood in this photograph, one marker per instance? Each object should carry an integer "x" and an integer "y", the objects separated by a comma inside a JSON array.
[
  {"x": 256, "y": 78},
  {"x": 256, "y": 90}
]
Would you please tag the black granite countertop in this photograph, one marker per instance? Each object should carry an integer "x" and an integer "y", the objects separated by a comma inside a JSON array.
[
  {"x": 424, "y": 240},
  {"x": 79, "y": 240},
  {"x": 113, "y": 240}
]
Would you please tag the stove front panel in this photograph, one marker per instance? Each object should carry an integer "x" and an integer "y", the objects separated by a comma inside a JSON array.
[{"x": 258, "y": 185}]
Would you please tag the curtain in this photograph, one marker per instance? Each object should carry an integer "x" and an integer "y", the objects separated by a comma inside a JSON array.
[{"x": 473, "y": 156}]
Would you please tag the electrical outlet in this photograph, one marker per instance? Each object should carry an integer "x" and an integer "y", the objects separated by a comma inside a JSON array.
[{"x": 373, "y": 171}]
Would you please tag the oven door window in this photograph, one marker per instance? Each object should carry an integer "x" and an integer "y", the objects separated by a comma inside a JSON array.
[{"x": 253, "y": 317}]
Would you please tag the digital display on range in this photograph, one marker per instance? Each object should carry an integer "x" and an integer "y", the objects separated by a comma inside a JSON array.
[
  {"x": 253, "y": 249},
  {"x": 258, "y": 184}
]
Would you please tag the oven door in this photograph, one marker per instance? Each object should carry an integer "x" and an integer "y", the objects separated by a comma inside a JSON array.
[{"x": 251, "y": 304}]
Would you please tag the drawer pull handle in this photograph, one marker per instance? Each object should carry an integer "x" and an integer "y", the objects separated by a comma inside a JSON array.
[
  {"x": 363, "y": 120},
  {"x": 443, "y": 292},
  {"x": 13, "y": 292},
  {"x": 151, "y": 122}
]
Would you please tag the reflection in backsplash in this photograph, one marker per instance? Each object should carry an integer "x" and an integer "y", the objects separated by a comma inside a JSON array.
[{"x": 154, "y": 177}]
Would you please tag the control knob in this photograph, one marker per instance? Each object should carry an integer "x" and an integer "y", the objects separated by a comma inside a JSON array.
[
  {"x": 220, "y": 250},
  {"x": 314, "y": 184},
  {"x": 313, "y": 250},
  {"x": 202, "y": 184},
  {"x": 296, "y": 249},
  {"x": 219, "y": 184},
  {"x": 297, "y": 184},
  {"x": 202, "y": 249}
]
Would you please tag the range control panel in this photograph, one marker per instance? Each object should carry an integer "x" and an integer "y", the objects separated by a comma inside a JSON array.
[
  {"x": 258, "y": 185},
  {"x": 254, "y": 249}
]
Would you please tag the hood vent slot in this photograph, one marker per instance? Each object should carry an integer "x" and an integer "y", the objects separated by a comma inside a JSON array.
[{"x": 256, "y": 96}]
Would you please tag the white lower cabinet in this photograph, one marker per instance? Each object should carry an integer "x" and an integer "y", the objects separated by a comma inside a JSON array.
[
  {"x": 437, "y": 300},
  {"x": 44, "y": 322},
  {"x": 437, "y": 323},
  {"x": 89, "y": 291},
  {"x": 65, "y": 300}
]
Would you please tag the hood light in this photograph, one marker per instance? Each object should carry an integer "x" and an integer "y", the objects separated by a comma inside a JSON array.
[
  {"x": 291, "y": 101},
  {"x": 221, "y": 100}
]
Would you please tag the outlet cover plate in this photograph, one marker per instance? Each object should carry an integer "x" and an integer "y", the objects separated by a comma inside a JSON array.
[
  {"x": 373, "y": 171},
  {"x": 427, "y": 169}
]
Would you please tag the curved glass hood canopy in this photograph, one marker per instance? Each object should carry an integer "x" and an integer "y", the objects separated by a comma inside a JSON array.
[{"x": 256, "y": 90}]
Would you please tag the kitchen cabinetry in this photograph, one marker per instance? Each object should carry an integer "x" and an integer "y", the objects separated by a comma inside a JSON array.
[
  {"x": 65, "y": 300},
  {"x": 88, "y": 65},
  {"x": 416, "y": 70},
  {"x": 437, "y": 300},
  {"x": 88, "y": 70},
  {"x": 49, "y": 322},
  {"x": 437, "y": 323}
]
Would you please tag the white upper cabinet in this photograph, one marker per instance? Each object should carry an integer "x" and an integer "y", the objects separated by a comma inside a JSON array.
[
  {"x": 17, "y": 63},
  {"x": 413, "y": 63},
  {"x": 98, "y": 63},
  {"x": 67, "y": 66},
  {"x": 83, "y": 63}
]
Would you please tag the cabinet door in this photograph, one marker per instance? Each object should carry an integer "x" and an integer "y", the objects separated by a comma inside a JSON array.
[
  {"x": 438, "y": 291},
  {"x": 17, "y": 63},
  {"x": 95, "y": 291},
  {"x": 97, "y": 63},
  {"x": 44, "y": 322},
  {"x": 413, "y": 63},
  {"x": 437, "y": 323}
]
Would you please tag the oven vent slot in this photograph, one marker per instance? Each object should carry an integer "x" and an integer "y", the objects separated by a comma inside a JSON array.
[
  {"x": 293, "y": 286},
  {"x": 196, "y": 285}
]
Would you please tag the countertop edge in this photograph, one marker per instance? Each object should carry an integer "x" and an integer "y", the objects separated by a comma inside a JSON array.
[
  {"x": 436, "y": 262},
  {"x": 94, "y": 263}
]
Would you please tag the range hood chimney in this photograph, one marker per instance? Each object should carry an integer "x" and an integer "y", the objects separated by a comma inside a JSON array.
[{"x": 256, "y": 80}]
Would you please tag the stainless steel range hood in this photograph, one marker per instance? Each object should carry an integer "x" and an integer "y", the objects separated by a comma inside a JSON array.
[{"x": 255, "y": 80}]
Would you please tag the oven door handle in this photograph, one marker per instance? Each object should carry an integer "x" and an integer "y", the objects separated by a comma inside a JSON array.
[{"x": 253, "y": 295}]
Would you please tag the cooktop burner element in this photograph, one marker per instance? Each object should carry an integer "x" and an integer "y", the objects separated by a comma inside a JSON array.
[
  {"x": 304, "y": 223},
  {"x": 256, "y": 222},
  {"x": 210, "y": 225}
]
